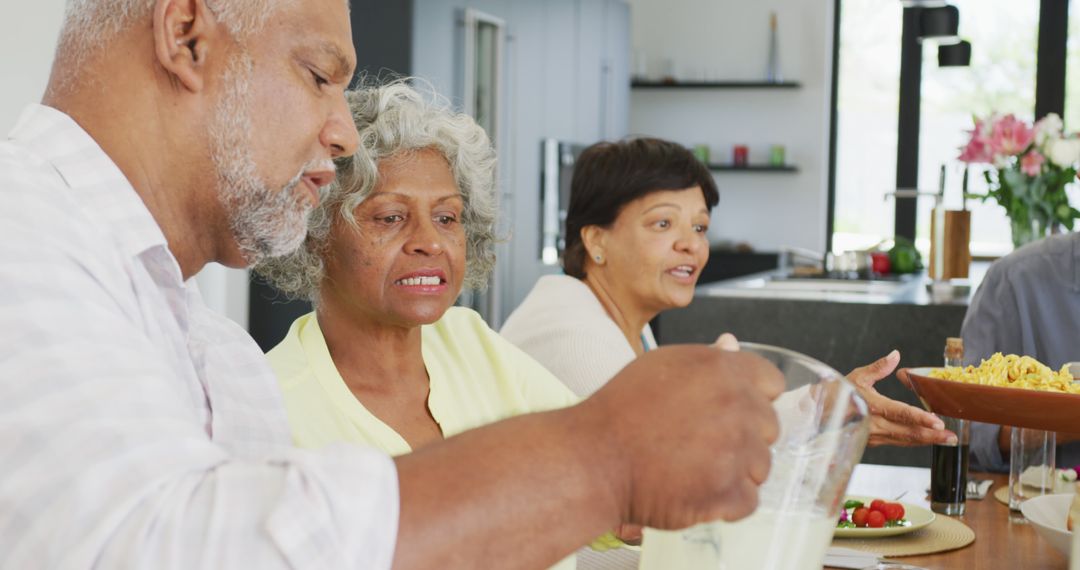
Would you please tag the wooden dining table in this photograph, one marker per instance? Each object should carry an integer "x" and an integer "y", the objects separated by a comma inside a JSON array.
[{"x": 1002, "y": 538}]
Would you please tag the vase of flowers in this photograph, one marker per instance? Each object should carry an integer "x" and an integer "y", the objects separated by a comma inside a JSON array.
[{"x": 1030, "y": 165}]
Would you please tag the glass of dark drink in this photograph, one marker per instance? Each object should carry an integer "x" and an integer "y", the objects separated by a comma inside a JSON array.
[{"x": 949, "y": 468}]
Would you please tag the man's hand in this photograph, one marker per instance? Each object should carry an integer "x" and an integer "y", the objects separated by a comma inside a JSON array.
[
  {"x": 680, "y": 436},
  {"x": 629, "y": 533},
  {"x": 689, "y": 430},
  {"x": 892, "y": 422}
]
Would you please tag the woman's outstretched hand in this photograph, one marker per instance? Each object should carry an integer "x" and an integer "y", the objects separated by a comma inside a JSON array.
[{"x": 893, "y": 422}]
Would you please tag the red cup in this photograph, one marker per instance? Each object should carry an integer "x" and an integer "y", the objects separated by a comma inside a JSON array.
[{"x": 740, "y": 155}]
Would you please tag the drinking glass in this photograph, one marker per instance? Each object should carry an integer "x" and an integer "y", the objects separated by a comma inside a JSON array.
[
  {"x": 949, "y": 469},
  {"x": 824, "y": 425},
  {"x": 1032, "y": 465}
]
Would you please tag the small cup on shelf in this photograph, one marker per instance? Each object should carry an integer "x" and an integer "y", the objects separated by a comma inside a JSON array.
[
  {"x": 740, "y": 156},
  {"x": 777, "y": 155},
  {"x": 701, "y": 152}
]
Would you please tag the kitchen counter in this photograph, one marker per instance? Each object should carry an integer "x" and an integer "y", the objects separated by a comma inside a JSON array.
[
  {"x": 841, "y": 328},
  {"x": 915, "y": 289}
]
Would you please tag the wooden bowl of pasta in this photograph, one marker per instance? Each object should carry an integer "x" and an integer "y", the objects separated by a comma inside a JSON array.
[{"x": 1024, "y": 402}]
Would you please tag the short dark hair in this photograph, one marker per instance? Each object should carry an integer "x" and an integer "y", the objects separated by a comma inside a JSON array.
[{"x": 610, "y": 175}]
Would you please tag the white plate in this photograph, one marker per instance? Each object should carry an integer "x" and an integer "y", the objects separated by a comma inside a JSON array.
[
  {"x": 917, "y": 518},
  {"x": 1047, "y": 513}
]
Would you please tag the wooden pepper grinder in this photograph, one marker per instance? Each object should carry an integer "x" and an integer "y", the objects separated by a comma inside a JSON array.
[{"x": 953, "y": 241}]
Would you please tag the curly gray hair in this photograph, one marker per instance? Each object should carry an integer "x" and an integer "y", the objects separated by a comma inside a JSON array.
[{"x": 392, "y": 119}]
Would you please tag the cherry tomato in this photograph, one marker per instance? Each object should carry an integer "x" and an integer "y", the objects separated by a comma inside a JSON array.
[
  {"x": 892, "y": 511},
  {"x": 875, "y": 519},
  {"x": 875, "y": 505},
  {"x": 859, "y": 516},
  {"x": 899, "y": 511}
]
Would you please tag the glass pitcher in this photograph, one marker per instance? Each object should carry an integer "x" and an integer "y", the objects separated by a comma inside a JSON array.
[{"x": 824, "y": 425}]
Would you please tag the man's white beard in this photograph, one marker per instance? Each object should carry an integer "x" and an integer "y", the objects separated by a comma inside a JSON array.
[{"x": 265, "y": 222}]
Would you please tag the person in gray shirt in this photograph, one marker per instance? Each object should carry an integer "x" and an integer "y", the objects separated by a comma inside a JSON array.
[{"x": 1028, "y": 304}]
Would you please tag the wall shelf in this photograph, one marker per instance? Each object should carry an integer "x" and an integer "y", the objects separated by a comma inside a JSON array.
[
  {"x": 754, "y": 168},
  {"x": 641, "y": 84}
]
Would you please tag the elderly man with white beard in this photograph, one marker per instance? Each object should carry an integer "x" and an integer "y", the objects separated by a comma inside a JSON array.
[{"x": 140, "y": 430}]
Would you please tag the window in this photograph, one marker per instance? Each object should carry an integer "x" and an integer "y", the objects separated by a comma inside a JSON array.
[
  {"x": 1072, "y": 70},
  {"x": 1001, "y": 78},
  {"x": 866, "y": 115}
]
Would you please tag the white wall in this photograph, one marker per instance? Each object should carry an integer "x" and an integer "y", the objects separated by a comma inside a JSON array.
[
  {"x": 226, "y": 291},
  {"x": 26, "y": 52},
  {"x": 728, "y": 39},
  {"x": 27, "y": 47}
]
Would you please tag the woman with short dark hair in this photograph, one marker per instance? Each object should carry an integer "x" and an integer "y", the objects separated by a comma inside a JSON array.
[
  {"x": 611, "y": 175},
  {"x": 635, "y": 246}
]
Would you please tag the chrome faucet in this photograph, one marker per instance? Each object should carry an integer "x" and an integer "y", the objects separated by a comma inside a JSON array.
[
  {"x": 791, "y": 256},
  {"x": 939, "y": 195},
  {"x": 915, "y": 193},
  {"x": 938, "y": 238}
]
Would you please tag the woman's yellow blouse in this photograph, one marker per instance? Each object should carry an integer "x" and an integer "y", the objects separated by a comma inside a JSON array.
[{"x": 477, "y": 378}]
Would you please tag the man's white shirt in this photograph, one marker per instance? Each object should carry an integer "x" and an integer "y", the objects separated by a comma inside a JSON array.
[{"x": 138, "y": 429}]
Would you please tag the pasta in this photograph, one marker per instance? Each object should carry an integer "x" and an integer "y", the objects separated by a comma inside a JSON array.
[{"x": 1011, "y": 371}]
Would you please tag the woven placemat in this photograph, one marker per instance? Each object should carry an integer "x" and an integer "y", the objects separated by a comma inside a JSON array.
[
  {"x": 1002, "y": 494},
  {"x": 942, "y": 535}
]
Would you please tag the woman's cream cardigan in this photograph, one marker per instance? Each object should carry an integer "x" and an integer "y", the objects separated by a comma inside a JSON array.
[{"x": 562, "y": 325}]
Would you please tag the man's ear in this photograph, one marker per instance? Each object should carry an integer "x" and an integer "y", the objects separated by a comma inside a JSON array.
[{"x": 185, "y": 33}]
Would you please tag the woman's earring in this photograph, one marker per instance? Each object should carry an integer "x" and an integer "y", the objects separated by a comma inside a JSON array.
[{"x": 599, "y": 258}]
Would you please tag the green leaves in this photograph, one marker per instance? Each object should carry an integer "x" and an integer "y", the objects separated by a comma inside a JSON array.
[{"x": 1033, "y": 203}]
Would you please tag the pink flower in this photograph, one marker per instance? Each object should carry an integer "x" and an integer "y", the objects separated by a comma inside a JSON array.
[
  {"x": 1010, "y": 136},
  {"x": 976, "y": 151},
  {"x": 978, "y": 148},
  {"x": 1032, "y": 163}
]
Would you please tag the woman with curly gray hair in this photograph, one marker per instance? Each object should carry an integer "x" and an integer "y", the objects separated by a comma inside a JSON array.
[{"x": 385, "y": 359}]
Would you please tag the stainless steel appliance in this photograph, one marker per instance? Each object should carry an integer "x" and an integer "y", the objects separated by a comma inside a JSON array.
[{"x": 557, "y": 159}]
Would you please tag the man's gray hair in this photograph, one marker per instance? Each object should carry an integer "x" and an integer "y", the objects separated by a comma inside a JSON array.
[
  {"x": 89, "y": 25},
  {"x": 393, "y": 119}
]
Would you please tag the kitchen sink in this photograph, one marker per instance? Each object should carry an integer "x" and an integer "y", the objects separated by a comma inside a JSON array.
[
  {"x": 866, "y": 286},
  {"x": 783, "y": 286}
]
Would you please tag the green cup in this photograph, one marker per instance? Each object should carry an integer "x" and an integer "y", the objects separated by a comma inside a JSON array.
[
  {"x": 701, "y": 151},
  {"x": 777, "y": 155}
]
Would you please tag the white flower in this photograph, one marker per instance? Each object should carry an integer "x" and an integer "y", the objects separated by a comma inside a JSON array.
[
  {"x": 1068, "y": 475},
  {"x": 1048, "y": 129},
  {"x": 1002, "y": 161},
  {"x": 1063, "y": 152}
]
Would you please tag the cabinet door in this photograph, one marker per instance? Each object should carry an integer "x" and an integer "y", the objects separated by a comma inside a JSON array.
[
  {"x": 602, "y": 70},
  {"x": 542, "y": 99},
  {"x": 570, "y": 81},
  {"x": 617, "y": 52},
  {"x": 591, "y": 71}
]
